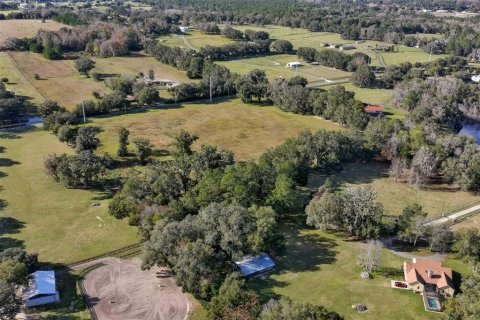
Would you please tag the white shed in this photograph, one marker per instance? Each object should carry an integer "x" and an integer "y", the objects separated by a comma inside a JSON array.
[
  {"x": 294, "y": 64},
  {"x": 42, "y": 289},
  {"x": 476, "y": 78}
]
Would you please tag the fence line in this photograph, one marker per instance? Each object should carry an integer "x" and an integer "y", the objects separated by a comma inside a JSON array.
[
  {"x": 104, "y": 255},
  {"x": 83, "y": 292}
]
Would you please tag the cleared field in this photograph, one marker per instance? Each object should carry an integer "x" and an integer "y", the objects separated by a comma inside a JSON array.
[
  {"x": 136, "y": 63},
  {"x": 274, "y": 66},
  {"x": 25, "y": 28},
  {"x": 194, "y": 40},
  {"x": 408, "y": 54},
  {"x": 246, "y": 130},
  {"x": 394, "y": 196},
  {"x": 59, "y": 224},
  {"x": 17, "y": 81},
  {"x": 324, "y": 266},
  {"x": 119, "y": 289},
  {"x": 470, "y": 222},
  {"x": 370, "y": 96},
  {"x": 59, "y": 81}
]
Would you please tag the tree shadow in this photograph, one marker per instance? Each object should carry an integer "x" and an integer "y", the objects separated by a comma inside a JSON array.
[
  {"x": 7, "y": 242},
  {"x": 9, "y": 225},
  {"x": 457, "y": 281},
  {"x": 5, "y": 162},
  {"x": 2, "y": 149},
  {"x": 306, "y": 252},
  {"x": 9, "y": 135}
]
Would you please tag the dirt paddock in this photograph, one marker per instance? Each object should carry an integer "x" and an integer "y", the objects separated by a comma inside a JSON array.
[{"x": 119, "y": 289}]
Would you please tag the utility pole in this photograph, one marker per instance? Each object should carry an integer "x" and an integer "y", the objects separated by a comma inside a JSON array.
[
  {"x": 210, "y": 77},
  {"x": 83, "y": 111}
]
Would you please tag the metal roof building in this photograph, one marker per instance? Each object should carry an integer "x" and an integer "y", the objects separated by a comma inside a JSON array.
[
  {"x": 255, "y": 265},
  {"x": 41, "y": 290}
]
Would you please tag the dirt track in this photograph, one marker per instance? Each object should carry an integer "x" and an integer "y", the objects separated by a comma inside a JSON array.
[{"x": 121, "y": 290}]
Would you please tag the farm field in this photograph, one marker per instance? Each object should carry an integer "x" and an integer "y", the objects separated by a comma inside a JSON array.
[
  {"x": 59, "y": 224},
  {"x": 59, "y": 81},
  {"x": 395, "y": 196},
  {"x": 133, "y": 64},
  {"x": 194, "y": 40},
  {"x": 25, "y": 28},
  {"x": 17, "y": 81},
  {"x": 246, "y": 130},
  {"x": 366, "y": 95},
  {"x": 324, "y": 266},
  {"x": 274, "y": 66}
]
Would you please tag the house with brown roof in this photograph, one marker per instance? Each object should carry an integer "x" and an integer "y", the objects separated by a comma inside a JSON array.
[
  {"x": 431, "y": 280},
  {"x": 420, "y": 274}
]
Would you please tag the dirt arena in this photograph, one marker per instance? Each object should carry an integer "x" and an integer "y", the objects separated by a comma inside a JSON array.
[{"x": 121, "y": 290}]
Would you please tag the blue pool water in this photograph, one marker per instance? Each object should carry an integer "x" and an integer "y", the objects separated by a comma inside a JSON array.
[{"x": 433, "y": 304}]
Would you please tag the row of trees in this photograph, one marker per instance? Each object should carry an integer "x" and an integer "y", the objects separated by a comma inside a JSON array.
[
  {"x": 13, "y": 108},
  {"x": 334, "y": 58}
]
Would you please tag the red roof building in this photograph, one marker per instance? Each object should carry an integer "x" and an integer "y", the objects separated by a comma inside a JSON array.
[
  {"x": 374, "y": 110},
  {"x": 421, "y": 273}
]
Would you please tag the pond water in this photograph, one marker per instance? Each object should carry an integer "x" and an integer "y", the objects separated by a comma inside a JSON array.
[{"x": 471, "y": 129}]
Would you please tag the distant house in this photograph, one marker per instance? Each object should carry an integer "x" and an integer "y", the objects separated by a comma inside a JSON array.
[
  {"x": 254, "y": 265},
  {"x": 374, "y": 110},
  {"x": 476, "y": 78},
  {"x": 185, "y": 29},
  {"x": 348, "y": 47},
  {"x": 41, "y": 289},
  {"x": 386, "y": 48},
  {"x": 294, "y": 64}
]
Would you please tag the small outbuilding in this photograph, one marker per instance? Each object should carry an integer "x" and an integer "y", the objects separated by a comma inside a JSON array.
[
  {"x": 42, "y": 289},
  {"x": 251, "y": 266},
  {"x": 348, "y": 47},
  {"x": 476, "y": 78},
  {"x": 294, "y": 64},
  {"x": 374, "y": 110},
  {"x": 185, "y": 29}
]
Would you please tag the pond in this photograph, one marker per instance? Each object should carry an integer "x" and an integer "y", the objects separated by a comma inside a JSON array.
[{"x": 471, "y": 129}]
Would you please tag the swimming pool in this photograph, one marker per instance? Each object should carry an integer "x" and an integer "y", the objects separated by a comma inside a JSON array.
[{"x": 433, "y": 304}]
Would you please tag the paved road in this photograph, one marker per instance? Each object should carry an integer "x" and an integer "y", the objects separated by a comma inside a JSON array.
[{"x": 455, "y": 216}]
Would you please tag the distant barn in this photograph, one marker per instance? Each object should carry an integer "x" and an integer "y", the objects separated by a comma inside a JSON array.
[
  {"x": 294, "y": 64},
  {"x": 255, "y": 265}
]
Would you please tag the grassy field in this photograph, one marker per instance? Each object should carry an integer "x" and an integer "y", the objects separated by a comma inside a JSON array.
[
  {"x": 274, "y": 66},
  {"x": 17, "y": 81},
  {"x": 247, "y": 130},
  {"x": 194, "y": 40},
  {"x": 58, "y": 80},
  {"x": 321, "y": 268},
  {"x": 25, "y": 28},
  {"x": 370, "y": 96},
  {"x": 395, "y": 196},
  {"x": 135, "y": 63},
  {"x": 45, "y": 217}
]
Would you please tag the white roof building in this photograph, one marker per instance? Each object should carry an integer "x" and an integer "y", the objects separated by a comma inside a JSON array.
[
  {"x": 293, "y": 64},
  {"x": 41, "y": 289},
  {"x": 476, "y": 78}
]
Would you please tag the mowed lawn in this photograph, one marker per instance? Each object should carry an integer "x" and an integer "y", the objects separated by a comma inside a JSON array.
[
  {"x": 275, "y": 66},
  {"x": 58, "y": 81},
  {"x": 135, "y": 63},
  {"x": 394, "y": 196},
  {"x": 25, "y": 28},
  {"x": 247, "y": 130},
  {"x": 366, "y": 95},
  {"x": 321, "y": 269},
  {"x": 59, "y": 224},
  {"x": 17, "y": 82}
]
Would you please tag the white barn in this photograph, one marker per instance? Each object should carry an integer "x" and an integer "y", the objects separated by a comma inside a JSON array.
[
  {"x": 41, "y": 289},
  {"x": 295, "y": 64},
  {"x": 476, "y": 78}
]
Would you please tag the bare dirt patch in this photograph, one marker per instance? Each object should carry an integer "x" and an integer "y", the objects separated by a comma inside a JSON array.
[
  {"x": 25, "y": 28},
  {"x": 121, "y": 290}
]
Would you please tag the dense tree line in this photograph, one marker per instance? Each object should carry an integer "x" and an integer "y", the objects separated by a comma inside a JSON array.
[
  {"x": 334, "y": 58},
  {"x": 13, "y": 108}
]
